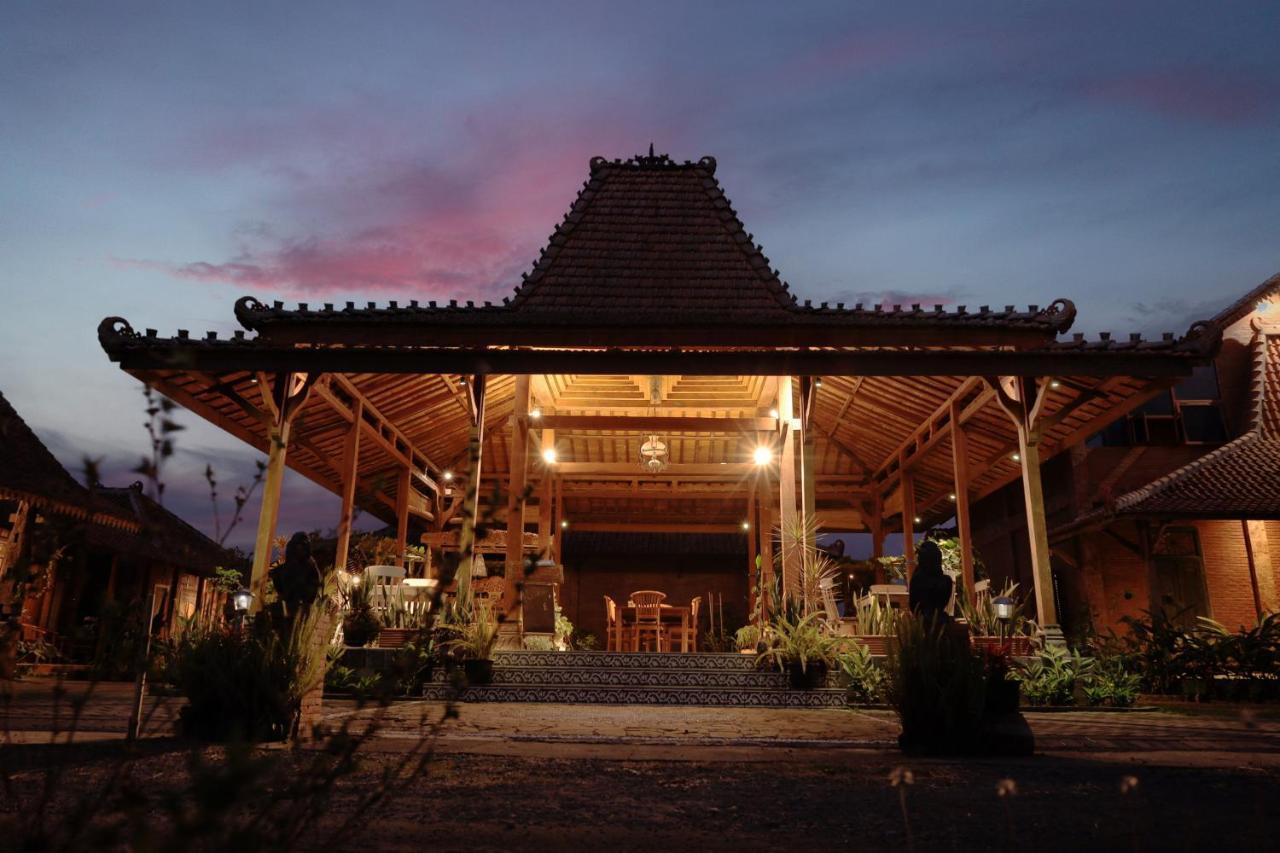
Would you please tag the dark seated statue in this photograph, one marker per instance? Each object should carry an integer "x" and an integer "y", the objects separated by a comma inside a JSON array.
[
  {"x": 297, "y": 580},
  {"x": 930, "y": 589}
]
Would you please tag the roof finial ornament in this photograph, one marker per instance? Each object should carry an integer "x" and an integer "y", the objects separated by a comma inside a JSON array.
[{"x": 650, "y": 148}]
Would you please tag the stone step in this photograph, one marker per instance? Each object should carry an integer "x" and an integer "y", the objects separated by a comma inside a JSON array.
[
  {"x": 504, "y": 674},
  {"x": 627, "y": 660},
  {"x": 749, "y": 697}
]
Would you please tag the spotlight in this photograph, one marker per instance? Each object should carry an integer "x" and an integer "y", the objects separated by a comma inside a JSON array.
[
  {"x": 746, "y": 525},
  {"x": 1055, "y": 384},
  {"x": 564, "y": 523},
  {"x": 535, "y": 413},
  {"x": 549, "y": 455},
  {"x": 1016, "y": 457},
  {"x": 918, "y": 519},
  {"x": 763, "y": 455},
  {"x": 773, "y": 413},
  {"x": 447, "y": 476},
  {"x": 952, "y": 496}
]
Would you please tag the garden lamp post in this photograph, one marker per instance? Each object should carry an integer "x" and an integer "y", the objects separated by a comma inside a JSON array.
[
  {"x": 1003, "y": 606},
  {"x": 241, "y": 601}
]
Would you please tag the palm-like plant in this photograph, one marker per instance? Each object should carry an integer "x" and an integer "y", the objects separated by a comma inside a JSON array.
[{"x": 801, "y": 643}]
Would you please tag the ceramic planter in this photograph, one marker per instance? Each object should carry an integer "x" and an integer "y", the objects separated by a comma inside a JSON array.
[
  {"x": 394, "y": 638},
  {"x": 478, "y": 672},
  {"x": 811, "y": 677},
  {"x": 877, "y": 644}
]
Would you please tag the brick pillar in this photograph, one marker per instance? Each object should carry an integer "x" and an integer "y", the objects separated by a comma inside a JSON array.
[{"x": 312, "y": 706}]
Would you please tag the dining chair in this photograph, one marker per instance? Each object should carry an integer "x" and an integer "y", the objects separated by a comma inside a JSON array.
[
  {"x": 648, "y": 622},
  {"x": 615, "y": 639},
  {"x": 676, "y": 633}
]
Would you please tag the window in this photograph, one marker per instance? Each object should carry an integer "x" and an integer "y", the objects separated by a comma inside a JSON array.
[{"x": 1190, "y": 413}]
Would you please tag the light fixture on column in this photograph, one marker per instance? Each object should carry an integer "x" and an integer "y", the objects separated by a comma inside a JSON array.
[
  {"x": 535, "y": 414},
  {"x": 746, "y": 525},
  {"x": 447, "y": 476},
  {"x": 549, "y": 455},
  {"x": 763, "y": 455}
]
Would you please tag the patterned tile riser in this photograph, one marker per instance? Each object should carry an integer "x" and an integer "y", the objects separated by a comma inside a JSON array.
[
  {"x": 626, "y": 660},
  {"x": 648, "y": 696},
  {"x": 571, "y": 677}
]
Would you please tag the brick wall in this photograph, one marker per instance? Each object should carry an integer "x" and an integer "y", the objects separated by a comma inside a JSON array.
[
  {"x": 1115, "y": 578},
  {"x": 1226, "y": 568}
]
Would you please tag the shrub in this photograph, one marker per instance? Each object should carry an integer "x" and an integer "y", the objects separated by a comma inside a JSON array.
[
  {"x": 801, "y": 642},
  {"x": 865, "y": 680},
  {"x": 747, "y": 637},
  {"x": 539, "y": 644},
  {"x": 1112, "y": 685},
  {"x": 937, "y": 686},
  {"x": 247, "y": 683},
  {"x": 1050, "y": 677}
]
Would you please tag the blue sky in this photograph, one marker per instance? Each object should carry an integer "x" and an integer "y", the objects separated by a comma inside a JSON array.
[{"x": 161, "y": 159}]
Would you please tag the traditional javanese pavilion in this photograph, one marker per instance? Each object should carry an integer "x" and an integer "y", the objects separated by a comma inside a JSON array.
[{"x": 653, "y": 374}]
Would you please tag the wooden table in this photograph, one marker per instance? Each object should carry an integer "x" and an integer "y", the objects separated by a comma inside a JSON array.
[{"x": 668, "y": 613}]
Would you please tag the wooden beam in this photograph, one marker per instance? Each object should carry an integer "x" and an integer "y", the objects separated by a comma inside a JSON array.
[
  {"x": 677, "y": 470},
  {"x": 350, "y": 465},
  {"x": 658, "y": 423},
  {"x": 656, "y": 527},
  {"x": 863, "y": 362}
]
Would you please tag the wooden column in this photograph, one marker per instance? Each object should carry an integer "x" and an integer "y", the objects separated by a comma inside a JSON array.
[
  {"x": 350, "y": 465},
  {"x": 557, "y": 518},
  {"x": 546, "y": 501},
  {"x": 1023, "y": 398},
  {"x": 788, "y": 519},
  {"x": 516, "y": 481},
  {"x": 287, "y": 394},
  {"x": 270, "y": 509},
  {"x": 402, "y": 515},
  {"x": 960, "y": 465},
  {"x": 753, "y": 545},
  {"x": 471, "y": 500},
  {"x": 907, "y": 485},
  {"x": 808, "y": 465},
  {"x": 1261, "y": 570},
  {"x": 764, "y": 526}
]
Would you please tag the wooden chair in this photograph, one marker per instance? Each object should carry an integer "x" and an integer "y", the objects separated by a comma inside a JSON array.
[
  {"x": 648, "y": 622},
  {"x": 842, "y": 625},
  {"x": 615, "y": 637},
  {"x": 676, "y": 633}
]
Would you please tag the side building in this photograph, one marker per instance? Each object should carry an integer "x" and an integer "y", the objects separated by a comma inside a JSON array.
[
  {"x": 67, "y": 551},
  {"x": 1176, "y": 505}
]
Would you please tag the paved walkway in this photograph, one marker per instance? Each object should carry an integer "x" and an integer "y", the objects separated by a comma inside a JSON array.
[{"x": 1213, "y": 736}]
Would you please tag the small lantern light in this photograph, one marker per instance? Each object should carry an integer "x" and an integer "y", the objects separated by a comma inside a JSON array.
[
  {"x": 746, "y": 525},
  {"x": 1003, "y": 606},
  {"x": 241, "y": 600}
]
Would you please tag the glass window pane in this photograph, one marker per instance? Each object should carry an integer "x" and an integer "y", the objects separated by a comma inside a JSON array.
[
  {"x": 1202, "y": 384},
  {"x": 1203, "y": 423},
  {"x": 1161, "y": 404}
]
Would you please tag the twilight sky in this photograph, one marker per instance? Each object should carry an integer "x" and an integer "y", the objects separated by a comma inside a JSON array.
[{"x": 158, "y": 160}]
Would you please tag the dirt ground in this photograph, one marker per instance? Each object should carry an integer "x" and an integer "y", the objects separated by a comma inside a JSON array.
[
  {"x": 587, "y": 778},
  {"x": 816, "y": 800}
]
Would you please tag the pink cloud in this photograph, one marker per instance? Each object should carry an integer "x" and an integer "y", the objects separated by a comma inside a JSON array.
[
  {"x": 460, "y": 219},
  {"x": 1189, "y": 93}
]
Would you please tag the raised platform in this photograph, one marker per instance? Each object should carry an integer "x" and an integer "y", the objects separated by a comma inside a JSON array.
[{"x": 619, "y": 678}]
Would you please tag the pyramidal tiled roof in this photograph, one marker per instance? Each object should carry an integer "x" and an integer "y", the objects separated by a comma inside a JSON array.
[
  {"x": 651, "y": 236},
  {"x": 1241, "y": 479},
  {"x": 655, "y": 241}
]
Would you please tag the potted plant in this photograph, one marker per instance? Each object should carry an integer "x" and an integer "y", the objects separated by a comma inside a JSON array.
[
  {"x": 746, "y": 638},
  {"x": 875, "y": 624},
  {"x": 360, "y": 624},
  {"x": 1008, "y": 636},
  {"x": 474, "y": 647},
  {"x": 802, "y": 650}
]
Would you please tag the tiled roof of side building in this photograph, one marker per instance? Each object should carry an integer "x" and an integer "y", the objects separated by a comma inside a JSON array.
[{"x": 1241, "y": 479}]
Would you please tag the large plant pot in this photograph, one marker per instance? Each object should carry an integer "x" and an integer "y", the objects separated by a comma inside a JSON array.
[
  {"x": 877, "y": 644},
  {"x": 356, "y": 634},
  {"x": 478, "y": 672},
  {"x": 394, "y": 638},
  {"x": 1017, "y": 647},
  {"x": 810, "y": 677}
]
